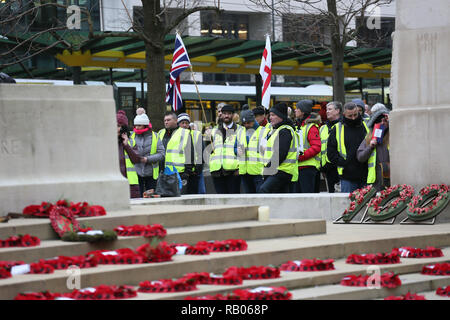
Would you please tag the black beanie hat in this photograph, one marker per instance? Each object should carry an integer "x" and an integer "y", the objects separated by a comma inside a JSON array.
[
  {"x": 305, "y": 106},
  {"x": 227, "y": 108},
  {"x": 280, "y": 109}
]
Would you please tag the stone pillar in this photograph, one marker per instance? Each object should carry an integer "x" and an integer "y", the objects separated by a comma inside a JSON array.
[
  {"x": 420, "y": 120},
  {"x": 59, "y": 142}
]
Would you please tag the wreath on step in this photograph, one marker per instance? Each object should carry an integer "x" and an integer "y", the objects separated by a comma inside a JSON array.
[
  {"x": 390, "y": 202},
  {"x": 387, "y": 280},
  {"x": 167, "y": 285},
  {"x": 308, "y": 265},
  {"x": 213, "y": 279},
  {"x": 408, "y": 296},
  {"x": 67, "y": 227},
  {"x": 20, "y": 241},
  {"x": 377, "y": 258},
  {"x": 431, "y": 200},
  {"x": 438, "y": 269},
  {"x": 260, "y": 293},
  {"x": 428, "y": 252},
  {"x": 445, "y": 292},
  {"x": 80, "y": 209},
  {"x": 359, "y": 198},
  {"x": 253, "y": 273}
]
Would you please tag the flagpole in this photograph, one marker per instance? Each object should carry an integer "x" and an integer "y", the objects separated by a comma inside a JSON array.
[{"x": 198, "y": 93}]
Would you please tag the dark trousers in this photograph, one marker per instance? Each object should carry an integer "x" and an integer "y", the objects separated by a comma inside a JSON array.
[
  {"x": 332, "y": 177},
  {"x": 227, "y": 184},
  {"x": 146, "y": 183},
  {"x": 278, "y": 183},
  {"x": 192, "y": 186},
  {"x": 251, "y": 183},
  {"x": 307, "y": 180}
]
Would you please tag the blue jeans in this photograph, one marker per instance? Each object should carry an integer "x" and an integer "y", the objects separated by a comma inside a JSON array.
[
  {"x": 227, "y": 184},
  {"x": 278, "y": 183},
  {"x": 201, "y": 184},
  {"x": 348, "y": 186},
  {"x": 251, "y": 183}
]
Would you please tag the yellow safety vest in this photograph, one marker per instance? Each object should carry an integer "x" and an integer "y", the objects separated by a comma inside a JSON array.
[
  {"x": 371, "y": 166},
  {"x": 314, "y": 161},
  {"x": 131, "y": 171},
  {"x": 324, "y": 133},
  {"x": 223, "y": 155},
  {"x": 175, "y": 156},
  {"x": 341, "y": 142},
  {"x": 290, "y": 164},
  {"x": 197, "y": 142},
  {"x": 254, "y": 159}
]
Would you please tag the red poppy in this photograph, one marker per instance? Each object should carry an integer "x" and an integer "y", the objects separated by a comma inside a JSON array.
[
  {"x": 378, "y": 258},
  {"x": 45, "y": 295},
  {"x": 167, "y": 285},
  {"x": 224, "y": 245},
  {"x": 162, "y": 252},
  {"x": 387, "y": 280},
  {"x": 155, "y": 230},
  {"x": 445, "y": 292},
  {"x": 63, "y": 262},
  {"x": 102, "y": 292},
  {"x": 120, "y": 256},
  {"x": 308, "y": 265},
  {"x": 4, "y": 273},
  {"x": 263, "y": 293},
  {"x": 254, "y": 272},
  {"x": 213, "y": 279},
  {"x": 408, "y": 296},
  {"x": 41, "y": 267},
  {"x": 428, "y": 252},
  {"x": 20, "y": 241}
]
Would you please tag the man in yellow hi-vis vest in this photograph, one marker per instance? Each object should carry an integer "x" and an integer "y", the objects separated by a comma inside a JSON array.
[
  {"x": 343, "y": 142},
  {"x": 193, "y": 157},
  {"x": 280, "y": 152},
  {"x": 225, "y": 165}
]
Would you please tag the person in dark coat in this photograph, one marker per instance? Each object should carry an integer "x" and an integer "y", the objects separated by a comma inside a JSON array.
[{"x": 352, "y": 173}]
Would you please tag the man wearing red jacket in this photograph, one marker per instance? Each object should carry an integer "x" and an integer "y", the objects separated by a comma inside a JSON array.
[{"x": 309, "y": 161}]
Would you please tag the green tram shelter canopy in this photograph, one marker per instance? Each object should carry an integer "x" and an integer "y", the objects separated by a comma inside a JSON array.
[{"x": 207, "y": 54}]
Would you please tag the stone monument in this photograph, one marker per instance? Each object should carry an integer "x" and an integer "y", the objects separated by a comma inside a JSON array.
[
  {"x": 420, "y": 85},
  {"x": 59, "y": 142}
]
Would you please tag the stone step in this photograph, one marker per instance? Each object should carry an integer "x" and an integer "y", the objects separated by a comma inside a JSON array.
[
  {"x": 260, "y": 252},
  {"x": 413, "y": 283},
  {"x": 431, "y": 295},
  {"x": 168, "y": 216},
  {"x": 248, "y": 230}
]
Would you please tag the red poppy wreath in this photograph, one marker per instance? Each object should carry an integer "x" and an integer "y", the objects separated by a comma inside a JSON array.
[
  {"x": 167, "y": 285},
  {"x": 408, "y": 296},
  {"x": 431, "y": 200},
  {"x": 358, "y": 199},
  {"x": 378, "y": 258},
  {"x": 20, "y": 241},
  {"x": 308, "y": 265},
  {"x": 438, "y": 269},
  {"x": 390, "y": 203},
  {"x": 428, "y": 252},
  {"x": 387, "y": 280},
  {"x": 155, "y": 230},
  {"x": 213, "y": 279},
  {"x": 444, "y": 292},
  {"x": 254, "y": 272}
]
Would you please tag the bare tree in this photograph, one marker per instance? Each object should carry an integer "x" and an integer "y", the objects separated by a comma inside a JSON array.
[
  {"x": 159, "y": 20},
  {"x": 327, "y": 26}
]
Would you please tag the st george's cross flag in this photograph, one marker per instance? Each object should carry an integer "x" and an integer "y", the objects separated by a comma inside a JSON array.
[
  {"x": 265, "y": 70},
  {"x": 180, "y": 62}
]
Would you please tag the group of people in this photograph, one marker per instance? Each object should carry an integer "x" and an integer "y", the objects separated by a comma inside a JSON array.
[{"x": 269, "y": 151}]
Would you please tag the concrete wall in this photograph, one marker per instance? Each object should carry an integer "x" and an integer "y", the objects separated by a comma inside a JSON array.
[
  {"x": 419, "y": 123},
  {"x": 59, "y": 142}
]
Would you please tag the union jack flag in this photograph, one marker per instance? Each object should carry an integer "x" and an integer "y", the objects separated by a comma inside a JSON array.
[{"x": 180, "y": 62}]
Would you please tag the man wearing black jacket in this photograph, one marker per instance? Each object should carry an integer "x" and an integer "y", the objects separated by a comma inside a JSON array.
[
  {"x": 352, "y": 173},
  {"x": 278, "y": 181}
]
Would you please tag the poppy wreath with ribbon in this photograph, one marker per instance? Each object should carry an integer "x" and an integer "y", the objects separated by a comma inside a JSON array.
[
  {"x": 390, "y": 202},
  {"x": 89, "y": 235},
  {"x": 358, "y": 199},
  {"x": 167, "y": 285},
  {"x": 224, "y": 245},
  {"x": 44, "y": 295},
  {"x": 103, "y": 292},
  {"x": 155, "y": 230},
  {"x": 213, "y": 279},
  {"x": 270, "y": 293},
  {"x": 38, "y": 211},
  {"x": 377, "y": 258},
  {"x": 62, "y": 262},
  {"x": 431, "y": 200},
  {"x": 438, "y": 269},
  {"x": 445, "y": 292},
  {"x": 387, "y": 280},
  {"x": 20, "y": 241},
  {"x": 160, "y": 253},
  {"x": 62, "y": 220},
  {"x": 191, "y": 250},
  {"x": 119, "y": 256},
  {"x": 308, "y": 265},
  {"x": 428, "y": 252},
  {"x": 408, "y": 296},
  {"x": 9, "y": 264},
  {"x": 254, "y": 272}
]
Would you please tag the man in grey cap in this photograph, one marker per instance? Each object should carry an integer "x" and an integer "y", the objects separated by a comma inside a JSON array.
[{"x": 362, "y": 109}]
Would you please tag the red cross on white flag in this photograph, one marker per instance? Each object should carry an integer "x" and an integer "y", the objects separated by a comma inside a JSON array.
[{"x": 265, "y": 70}]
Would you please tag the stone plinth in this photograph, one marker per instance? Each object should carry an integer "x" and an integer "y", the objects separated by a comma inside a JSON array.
[
  {"x": 420, "y": 121},
  {"x": 59, "y": 142}
]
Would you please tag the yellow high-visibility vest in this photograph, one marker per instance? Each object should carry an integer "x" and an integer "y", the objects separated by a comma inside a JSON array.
[{"x": 341, "y": 142}]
